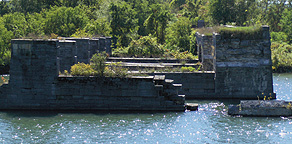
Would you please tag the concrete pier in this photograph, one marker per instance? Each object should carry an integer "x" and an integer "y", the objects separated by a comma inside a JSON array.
[{"x": 262, "y": 108}]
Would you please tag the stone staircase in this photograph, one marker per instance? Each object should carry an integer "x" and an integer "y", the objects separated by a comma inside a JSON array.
[
  {"x": 141, "y": 64},
  {"x": 170, "y": 91}
]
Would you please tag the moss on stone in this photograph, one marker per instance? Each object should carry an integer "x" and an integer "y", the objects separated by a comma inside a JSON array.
[{"x": 243, "y": 33}]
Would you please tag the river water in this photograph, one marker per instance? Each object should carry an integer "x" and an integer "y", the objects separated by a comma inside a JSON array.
[{"x": 210, "y": 124}]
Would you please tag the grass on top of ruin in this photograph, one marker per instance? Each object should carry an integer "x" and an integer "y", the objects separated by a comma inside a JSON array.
[{"x": 233, "y": 32}]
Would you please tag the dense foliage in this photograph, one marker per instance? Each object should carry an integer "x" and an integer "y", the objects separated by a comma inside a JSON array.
[
  {"x": 98, "y": 67},
  {"x": 281, "y": 57},
  {"x": 169, "y": 22}
]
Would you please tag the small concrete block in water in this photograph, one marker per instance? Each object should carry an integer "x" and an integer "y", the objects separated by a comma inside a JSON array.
[
  {"x": 191, "y": 106},
  {"x": 159, "y": 77},
  {"x": 261, "y": 108}
]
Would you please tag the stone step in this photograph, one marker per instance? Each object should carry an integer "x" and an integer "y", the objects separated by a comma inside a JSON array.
[
  {"x": 137, "y": 66},
  {"x": 150, "y": 60}
]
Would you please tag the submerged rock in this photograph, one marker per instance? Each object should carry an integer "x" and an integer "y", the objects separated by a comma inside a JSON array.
[{"x": 261, "y": 108}]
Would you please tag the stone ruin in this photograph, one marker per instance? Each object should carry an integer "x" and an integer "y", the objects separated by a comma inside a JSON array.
[
  {"x": 74, "y": 50},
  {"x": 232, "y": 69},
  {"x": 243, "y": 67},
  {"x": 35, "y": 83}
]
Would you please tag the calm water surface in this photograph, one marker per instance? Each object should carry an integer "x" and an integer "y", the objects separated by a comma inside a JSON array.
[{"x": 210, "y": 124}]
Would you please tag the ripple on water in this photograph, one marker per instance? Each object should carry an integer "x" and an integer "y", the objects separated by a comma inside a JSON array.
[{"x": 210, "y": 124}]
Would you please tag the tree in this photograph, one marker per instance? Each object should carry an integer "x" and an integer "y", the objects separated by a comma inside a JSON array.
[
  {"x": 157, "y": 21},
  {"x": 99, "y": 27},
  {"x": 74, "y": 3},
  {"x": 31, "y": 6},
  {"x": 272, "y": 11},
  {"x": 222, "y": 11},
  {"x": 142, "y": 9},
  {"x": 4, "y": 8},
  {"x": 5, "y": 37},
  {"x": 64, "y": 21},
  {"x": 178, "y": 33},
  {"x": 177, "y": 4},
  {"x": 244, "y": 10},
  {"x": 98, "y": 63},
  {"x": 16, "y": 23},
  {"x": 191, "y": 8},
  {"x": 286, "y": 23},
  {"x": 35, "y": 24},
  {"x": 123, "y": 22}
]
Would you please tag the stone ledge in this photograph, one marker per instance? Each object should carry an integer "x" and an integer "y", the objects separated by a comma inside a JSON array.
[{"x": 261, "y": 108}]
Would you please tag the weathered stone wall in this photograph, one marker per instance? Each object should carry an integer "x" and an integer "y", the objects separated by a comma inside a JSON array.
[
  {"x": 33, "y": 72},
  {"x": 102, "y": 46},
  {"x": 243, "y": 67},
  {"x": 82, "y": 49},
  {"x": 196, "y": 85},
  {"x": 74, "y": 50},
  {"x": 35, "y": 84},
  {"x": 108, "y": 45},
  {"x": 66, "y": 55},
  {"x": 94, "y": 46},
  {"x": 99, "y": 93},
  {"x": 114, "y": 94},
  {"x": 105, "y": 44},
  {"x": 205, "y": 51}
]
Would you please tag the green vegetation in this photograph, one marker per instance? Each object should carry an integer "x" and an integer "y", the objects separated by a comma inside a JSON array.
[
  {"x": 142, "y": 28},
  {"x": 82, "y": 69},
  {"x": 281, "y": 57},
  {"x": 190, "y": 69},
  {"x": 251, "y": 32},
  {"x": 98, "y": 67},
  {"x": 238, "y": 32},
  {"x": 146, "y": 46},
  {"x": 98, "y": 63}
]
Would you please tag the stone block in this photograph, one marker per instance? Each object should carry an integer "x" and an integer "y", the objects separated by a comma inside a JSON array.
[{"x": 261, "y": 108}]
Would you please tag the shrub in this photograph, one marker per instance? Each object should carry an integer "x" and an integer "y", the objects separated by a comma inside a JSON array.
[
  {"x": 5, "y": 59},
  {"x": 98, "y": 67},
  {"x": 189, "y": 69},
  {"x": 116, "y": 70},
  {"x": 120, "y": 52},
  {"x": 15, "y": 23},
  {"x": 281, "y": 57},
  {"x": 279, "y": 37},
  {"x": 193, "y": 43},
  {"x": 81, "y": 69},
  {"x": 98, "y": 63},
  {"x": 98, "y": 27},
  {"x": 178, "y": 33},
  {"x": 81, "y": 34},
  {"x": 179, "y": 55},
  {"x": 146, "y": 46}
]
